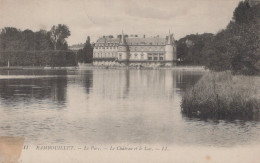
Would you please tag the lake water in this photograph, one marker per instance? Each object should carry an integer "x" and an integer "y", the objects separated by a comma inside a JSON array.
[{"x": 110, "y": 106}]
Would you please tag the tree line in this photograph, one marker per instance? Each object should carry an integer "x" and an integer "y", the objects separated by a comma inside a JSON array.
[
  {"x": 235, "y": 48},
  {"x": 40, "y": 48}
]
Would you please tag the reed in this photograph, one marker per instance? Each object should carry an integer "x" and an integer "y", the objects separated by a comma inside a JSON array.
[{"x": 221, "y": 95}]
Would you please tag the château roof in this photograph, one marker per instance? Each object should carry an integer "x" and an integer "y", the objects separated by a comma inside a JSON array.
[{"x": 134, "y": 41}]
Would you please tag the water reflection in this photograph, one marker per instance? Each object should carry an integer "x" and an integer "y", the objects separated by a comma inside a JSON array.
[
  {"x": 15, "y": 91},
  {"x": 110, "y": 106},
  {"x": 121, "y": 84}
]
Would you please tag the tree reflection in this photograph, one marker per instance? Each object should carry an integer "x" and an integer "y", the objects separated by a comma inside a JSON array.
[
  {"x": 15, "y": 91},
  {"x": 88, "y": 81}
]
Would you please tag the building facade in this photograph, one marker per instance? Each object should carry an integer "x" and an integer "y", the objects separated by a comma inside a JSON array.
[{"x": 135, "y": 51}]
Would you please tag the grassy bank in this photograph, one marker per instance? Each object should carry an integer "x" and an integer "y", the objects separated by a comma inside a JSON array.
[{"x": 223, "y": 96}]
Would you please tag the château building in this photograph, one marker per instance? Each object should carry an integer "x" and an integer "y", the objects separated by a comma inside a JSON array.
[{"x": 135, "y": 51}]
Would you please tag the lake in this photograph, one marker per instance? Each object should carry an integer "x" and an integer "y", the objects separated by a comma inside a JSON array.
[{"x": 107, "y": 106}]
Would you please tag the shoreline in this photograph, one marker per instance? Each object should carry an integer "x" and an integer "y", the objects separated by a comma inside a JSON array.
[{"x": 91, "y": 67}]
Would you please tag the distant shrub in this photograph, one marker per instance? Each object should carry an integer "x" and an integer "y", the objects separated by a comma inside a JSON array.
[{"x": 221, "y": 95}]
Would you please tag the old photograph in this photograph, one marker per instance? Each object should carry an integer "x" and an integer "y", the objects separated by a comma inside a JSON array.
[{"x": 129, "y": 81}]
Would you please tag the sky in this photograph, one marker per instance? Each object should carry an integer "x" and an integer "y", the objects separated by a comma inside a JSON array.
[{"x": 96, "y": 18}]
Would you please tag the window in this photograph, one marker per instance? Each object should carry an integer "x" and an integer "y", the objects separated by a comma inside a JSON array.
[
  {"x": 155, "y": 57},
  {"x": 161, "y": 57},
  {"x": 150, "y": 56},
  {"x": 142, "y": 56},
  {"x": 120, "y": 55},
  {"x": 136, "y": 55}
]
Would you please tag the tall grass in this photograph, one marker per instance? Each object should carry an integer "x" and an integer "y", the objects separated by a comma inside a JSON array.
[{"x": 222, "y": 95}]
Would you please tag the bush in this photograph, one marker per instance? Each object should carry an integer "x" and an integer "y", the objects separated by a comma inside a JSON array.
[{"x": 221, "y": 95}]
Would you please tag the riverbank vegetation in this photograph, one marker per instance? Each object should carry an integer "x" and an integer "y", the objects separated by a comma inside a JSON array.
[
  {"x": 231, "y": 55},
  {"x": 40, "y": 48},
  {"x": 223, "y": 95},
  {"x": 236, "y": 48}
]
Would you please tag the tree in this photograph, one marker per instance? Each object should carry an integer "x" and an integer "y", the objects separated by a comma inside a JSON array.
[
  {"x": 241, "y": 14},
  {"x": 237, "y": 48},
  {"x": 28, "y": 48},
  {"x": 189, "y": 48},
  {"x": 28, "y": 40},
  {"x": 85, "y": 55},
  {"x": 10, "y": 38},
  {"x": 43, "y": 40},
  {"x": 58, "y": 35}
]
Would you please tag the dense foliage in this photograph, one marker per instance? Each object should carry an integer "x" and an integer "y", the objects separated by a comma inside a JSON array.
[
  {"x": 58, "y": 58},
  {"x": 41, "y": 48},
  {"x": 236, "y": 48},
  {"x": 189, "y": 48}
]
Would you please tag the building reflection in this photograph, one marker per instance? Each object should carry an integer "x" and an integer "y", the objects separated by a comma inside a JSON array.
[
  {"x": 120, "y": 84},
  {"x": 107, "y": 84}
]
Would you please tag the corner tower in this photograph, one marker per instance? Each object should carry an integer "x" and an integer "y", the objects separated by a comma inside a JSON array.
[
  {"x": 170, "y": 50},
  {"x": 122, "y": 53}
]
